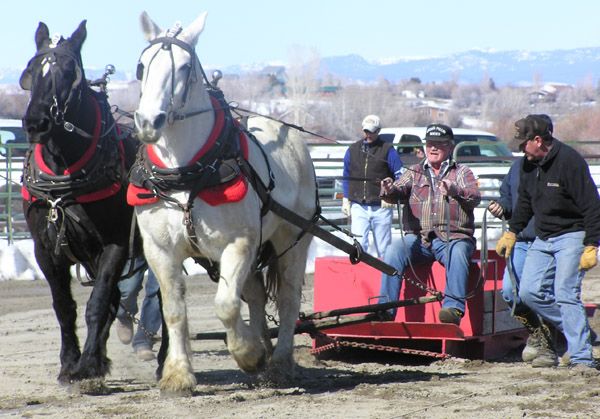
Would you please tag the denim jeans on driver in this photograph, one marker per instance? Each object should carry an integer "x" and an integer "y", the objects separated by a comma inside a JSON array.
[
  {"x": 409, "y": 250},
  {"x": 374, "y": 219},
  {"x": 551, "y": 286},
  {"x": 517, "y": 259},
  {"x": 150, "y": 318}
]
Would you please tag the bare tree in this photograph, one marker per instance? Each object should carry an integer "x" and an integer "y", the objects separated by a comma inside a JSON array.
[
  {"x": 502, "y": 108},
  {"x": 13, "y": 105},
  {"x": 302, "y": 83}
]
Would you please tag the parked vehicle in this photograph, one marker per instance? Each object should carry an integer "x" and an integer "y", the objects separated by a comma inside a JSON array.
[{"x": 472, "y": 145}]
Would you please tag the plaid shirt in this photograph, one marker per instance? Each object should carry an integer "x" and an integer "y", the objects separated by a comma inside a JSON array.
[{"x": 427, "y": 212}]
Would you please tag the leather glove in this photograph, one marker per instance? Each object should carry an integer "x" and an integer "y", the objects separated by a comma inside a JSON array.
[
  {"x": 385, "y": 204},
  {"x": 496, "y": 209},
  {"x": 506, "y": 243},
  {"x": 346, "y": 204},
  {"x": 589, "y": 258}
]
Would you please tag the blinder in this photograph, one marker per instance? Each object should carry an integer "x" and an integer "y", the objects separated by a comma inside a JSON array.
[
  {"x": 25, "y": 79},
  {"x": 139, "y": 71}
]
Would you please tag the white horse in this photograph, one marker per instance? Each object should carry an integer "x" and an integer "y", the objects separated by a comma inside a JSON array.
[{"x": 176, "y": 118}]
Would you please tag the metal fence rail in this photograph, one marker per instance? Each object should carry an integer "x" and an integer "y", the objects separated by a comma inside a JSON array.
[
  {"x": 12, "y": 219},
  {"x": 328, "y": 160}
]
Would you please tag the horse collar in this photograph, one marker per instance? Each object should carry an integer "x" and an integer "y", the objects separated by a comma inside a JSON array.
[
  {"x": 214, "y": 135},
  {"x": 83, "y": 160},
  {"x": 96, "y": 175}
]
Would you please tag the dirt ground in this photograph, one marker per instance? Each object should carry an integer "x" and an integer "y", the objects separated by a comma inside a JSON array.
[{"x": 360, "y": 387}]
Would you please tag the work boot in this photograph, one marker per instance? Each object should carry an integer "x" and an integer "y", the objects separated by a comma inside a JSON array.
[
  {"x": 546, "y": 356},
  {"x": 144, "y": 353},
  {"x": 586, "y": 370},
  {"x": 450, "y": 315},
  {"x": 531, "y": 349},
  {"x": 125, "y": 330},
  {"x": 532, "y": 323}
]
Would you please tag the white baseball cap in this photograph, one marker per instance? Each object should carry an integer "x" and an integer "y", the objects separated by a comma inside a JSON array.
[{"x": 371, "y": 123}]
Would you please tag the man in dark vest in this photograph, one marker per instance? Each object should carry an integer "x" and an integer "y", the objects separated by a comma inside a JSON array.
[{"x": 366, "y": 162}]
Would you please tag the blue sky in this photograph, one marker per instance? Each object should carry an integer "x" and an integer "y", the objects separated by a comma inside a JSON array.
[{"x": 261, "y": 31}]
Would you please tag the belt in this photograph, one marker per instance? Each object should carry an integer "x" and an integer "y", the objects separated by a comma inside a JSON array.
[{"x": 369, "y": 204}]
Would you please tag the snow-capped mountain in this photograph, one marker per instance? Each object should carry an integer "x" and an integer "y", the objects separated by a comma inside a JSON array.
[
  {"x": 505, "y": 67},
  {"x": 571, "y": 66}
]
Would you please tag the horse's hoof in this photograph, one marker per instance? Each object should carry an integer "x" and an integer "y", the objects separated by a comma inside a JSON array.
[
  {"x": 279, "y": 372},
  {"x": 91, "y": 386},
  {"x": 65, "y": 379},
  {"x": 177, "y": 385},
  {"x": 170, "y": 394},
  {"x": 254, "y": 367},
  {"x": 275, "y": 376}
]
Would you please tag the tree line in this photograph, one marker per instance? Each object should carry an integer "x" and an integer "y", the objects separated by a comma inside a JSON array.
[{"x": 334, "y": 108}]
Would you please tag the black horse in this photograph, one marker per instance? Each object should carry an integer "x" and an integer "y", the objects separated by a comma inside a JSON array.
[{"x": 74, "y": 187}]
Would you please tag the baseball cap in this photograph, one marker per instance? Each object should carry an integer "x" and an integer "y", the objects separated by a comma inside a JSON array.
[
  {"x": 371, "y": 123},
  {"x": 532, "y": 126},
  {"x": 438, "y": 132}
]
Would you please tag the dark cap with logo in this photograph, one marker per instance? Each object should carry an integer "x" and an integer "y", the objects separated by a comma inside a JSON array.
[
  {"x": 439, "y": 132},
  {"x": 533, "y": 125}
]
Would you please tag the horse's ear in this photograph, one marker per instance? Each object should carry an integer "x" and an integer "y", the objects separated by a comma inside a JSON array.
[
  {"x": 190, "y": 34},
  {"x": 151, "y": 30},
  {"x": 42, "y": 36},
  {"x": 79, "y": 35}
]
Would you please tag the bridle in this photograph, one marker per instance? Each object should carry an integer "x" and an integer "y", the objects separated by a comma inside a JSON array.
[
  {"x": 56, "y": 111},
  {"x": 49, "y": 57},
  {"x": 167, "y": 43}
]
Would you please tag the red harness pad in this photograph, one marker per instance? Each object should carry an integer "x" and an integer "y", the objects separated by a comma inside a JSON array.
[{"x": 233, "y": 191}]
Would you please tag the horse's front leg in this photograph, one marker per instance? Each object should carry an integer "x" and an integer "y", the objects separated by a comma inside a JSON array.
[
  {"x": 244, "y": 344},
  {"x": 100, "y": 313},
  {"x": 176, "y": 373}
]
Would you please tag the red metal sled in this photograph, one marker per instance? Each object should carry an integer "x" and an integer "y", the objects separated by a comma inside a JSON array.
[{"x": 487, "y": 330}]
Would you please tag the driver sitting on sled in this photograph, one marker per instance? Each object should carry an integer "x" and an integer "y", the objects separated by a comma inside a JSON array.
[{"x": 438, "y": 221}]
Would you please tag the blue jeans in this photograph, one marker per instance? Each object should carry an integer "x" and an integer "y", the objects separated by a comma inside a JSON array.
[
  {"x": 517, "y": 259},
  {"x": 551, "y": 287},
  {"x": 374, "y": 219},
  {"x": 150, "y": 317},
  {"x": 409, "y": 249}
]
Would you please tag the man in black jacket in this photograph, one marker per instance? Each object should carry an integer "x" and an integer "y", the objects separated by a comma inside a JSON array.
[{"x": 557, "y": 188}]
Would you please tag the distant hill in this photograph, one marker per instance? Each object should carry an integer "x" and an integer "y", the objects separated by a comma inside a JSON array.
[
  {"x": 504, "y": 67},
  {"x": 508, "y": 67}
]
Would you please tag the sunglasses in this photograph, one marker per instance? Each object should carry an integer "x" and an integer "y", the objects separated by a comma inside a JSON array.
[{"x": 437, "y": 144}]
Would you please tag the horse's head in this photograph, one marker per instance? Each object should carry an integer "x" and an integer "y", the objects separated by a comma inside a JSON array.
[
  {"x": 170, "y": 75},
  {"x": 55, "y": 78}
]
